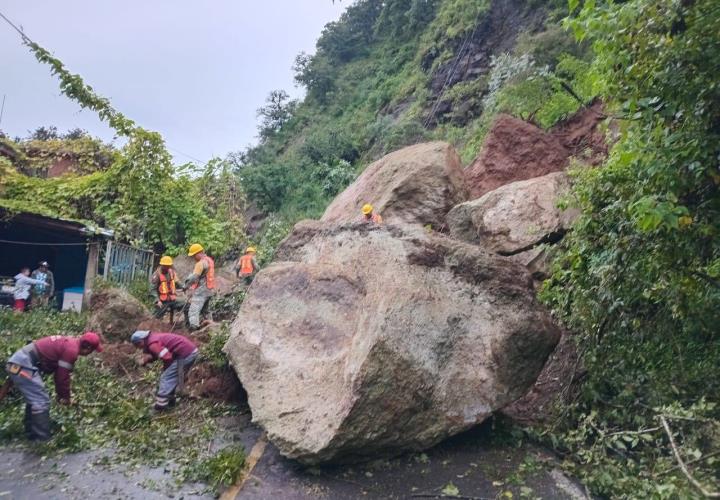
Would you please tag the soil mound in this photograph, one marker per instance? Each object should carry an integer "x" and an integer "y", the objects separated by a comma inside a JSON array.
[
  {"x": 515, "y": 150},
  {"x": 115, "y": 313}
]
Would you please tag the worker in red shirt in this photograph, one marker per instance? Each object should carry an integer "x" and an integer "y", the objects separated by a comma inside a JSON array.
[
  {"x": 57, "y": 355},
  {"x": 176, "y": 352}
]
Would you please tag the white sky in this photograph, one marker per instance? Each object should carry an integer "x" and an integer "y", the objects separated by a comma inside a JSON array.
[{"x": 194, "y": 71}]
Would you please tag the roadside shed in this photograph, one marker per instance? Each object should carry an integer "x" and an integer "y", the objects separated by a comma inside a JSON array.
[{"x": 76, "y": 251}]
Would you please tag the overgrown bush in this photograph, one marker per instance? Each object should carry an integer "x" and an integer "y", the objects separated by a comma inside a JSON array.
[{"x": 639, "y": 277}]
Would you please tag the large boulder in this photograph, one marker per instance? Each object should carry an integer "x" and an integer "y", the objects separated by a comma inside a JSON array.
[
  {"x": 363, "y": 340},
  {"x": 417, "y": 184},
  {"x": 115, "y": 313},
  {"x": 515, "y": 217}
]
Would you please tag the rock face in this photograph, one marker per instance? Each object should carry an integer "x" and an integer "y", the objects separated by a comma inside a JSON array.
[
  {"x": 515, "y": 217},
  {"x": 364, "y": 340},
  {"x": 514, "y": 150},
  {"x": 417, "y": 184},
  {"x": 115, "y": 313}
]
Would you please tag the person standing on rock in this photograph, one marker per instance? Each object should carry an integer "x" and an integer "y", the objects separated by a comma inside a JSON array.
[
  {"x": 163, "y": 287},
  {"x": 201, "y": 283},
  {"x": 55, "y": 354},
  {"x": 368, "y": 215},
  {"x": 42, "y": 294},
  {"x": 247, "y": 266},
  {"x": 176, "y": 352},
  {"x": 23, "y": 283}
]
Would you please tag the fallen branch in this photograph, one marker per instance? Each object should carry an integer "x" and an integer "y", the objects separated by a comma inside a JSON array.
[
  {"x": 443, "y": 495},
  {"x": 641, "y": 431},
  {"x": 701, "y": 459},
  {"x": 683, "y": 467}
]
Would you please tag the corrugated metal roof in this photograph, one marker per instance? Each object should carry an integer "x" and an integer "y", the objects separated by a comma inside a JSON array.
[{"x": 19, "y": 212}]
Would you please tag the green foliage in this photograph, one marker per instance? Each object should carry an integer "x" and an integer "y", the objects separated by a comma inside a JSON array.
[
  {"x": 637, "y": 279},
  {"x": 141, "y": 195},
  {"x": 213, "y": 349},
  {"x": 112, "y": 411},
  {"x": 221, "y": 470}
]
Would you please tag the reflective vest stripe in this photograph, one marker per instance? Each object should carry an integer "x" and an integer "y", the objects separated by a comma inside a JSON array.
[
  {"x": 166, "y": 289},
  {"x": 65, "y": 364},
  {"x": 163, "y": 353}
]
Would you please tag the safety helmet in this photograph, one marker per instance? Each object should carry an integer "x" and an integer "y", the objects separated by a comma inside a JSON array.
[
  {"x": 139, "y": 336},
  {"x": 195, "y": 248},
  {"x": 166, "y": 260},
  {"x": 367, "y": 209},
  {"x": 93, "y": 340},
  {"x": 250, "y": 249}
]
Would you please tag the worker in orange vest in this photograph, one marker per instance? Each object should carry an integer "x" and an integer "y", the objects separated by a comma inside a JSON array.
[
  {"x": 201, "y": 282},
  {"x": 247, "y": 266},
  {"x": 368, "y": 215},
  {"x": 163, "y": 287}
]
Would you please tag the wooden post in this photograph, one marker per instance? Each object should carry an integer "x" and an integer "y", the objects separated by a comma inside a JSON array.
[{"x": 90, "y": 272}]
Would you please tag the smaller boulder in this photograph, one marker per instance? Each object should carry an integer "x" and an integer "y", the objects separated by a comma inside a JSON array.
[
  {"x": 417, "y": 185},
  {"x": 115, "y": 313},
  {"x": 516, "y": 217}
]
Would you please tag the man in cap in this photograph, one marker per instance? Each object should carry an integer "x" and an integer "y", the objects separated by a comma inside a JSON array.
[
  {"x": 42, "y": 294},
  {"x": 163, "y": 287},
  {"x": 57, "y": 355},
  {"x": 201, "y": 283},
  {"x": 176, "y": 352}
]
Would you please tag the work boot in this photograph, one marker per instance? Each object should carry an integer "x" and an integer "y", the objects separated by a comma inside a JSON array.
[{"x": 40, "y": 426}]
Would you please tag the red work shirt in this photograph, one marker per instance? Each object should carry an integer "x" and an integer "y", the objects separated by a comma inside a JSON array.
[
  {"x": 57, "y": 354},
  {"x": 168, "y": 346}
]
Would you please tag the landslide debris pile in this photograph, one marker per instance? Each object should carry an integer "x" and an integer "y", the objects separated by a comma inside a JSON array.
[{"x": 364, "y": 340}]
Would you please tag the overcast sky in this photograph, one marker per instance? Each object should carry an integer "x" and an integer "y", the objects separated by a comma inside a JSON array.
[{"x": 194, "y": 71}]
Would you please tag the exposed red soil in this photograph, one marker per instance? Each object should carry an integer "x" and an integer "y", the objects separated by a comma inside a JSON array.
[
  {"x": 204, "y": 379},
  {"x": 515, "y": 150}
]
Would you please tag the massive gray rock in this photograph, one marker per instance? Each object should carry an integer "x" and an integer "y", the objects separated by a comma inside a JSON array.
[
  {"x": 417, "y": 184},
  {"x": 516, "y": 217},
  {"x": 363, "y": 340}
]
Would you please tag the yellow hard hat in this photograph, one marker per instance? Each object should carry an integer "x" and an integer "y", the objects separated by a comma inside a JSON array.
[
  {"x": 195, "y": 248},
  {"x": 250, "y": 249},
  {"x": 367, "y": 209},
  {"x": 166, "y": 261}
]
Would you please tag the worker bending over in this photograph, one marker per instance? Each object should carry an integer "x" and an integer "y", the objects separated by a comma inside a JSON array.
[
  {"x": 163, "y": 287},
  {"x": 201, "y": 283},
  {"x": 176, "y": 352},
  {"x": 247, "y": 266},
  {"x": 368, "y": 215},
  {"x": 56, "y": 354}
]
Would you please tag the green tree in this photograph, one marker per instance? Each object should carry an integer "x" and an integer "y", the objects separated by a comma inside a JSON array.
[{"x": 638, "y": 278}]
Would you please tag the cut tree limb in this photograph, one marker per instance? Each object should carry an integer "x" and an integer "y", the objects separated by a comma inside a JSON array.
[{"x": 683, "y": 467}]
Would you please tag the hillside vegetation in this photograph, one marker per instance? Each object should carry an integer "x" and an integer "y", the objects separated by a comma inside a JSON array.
[{"x": 394, "y": 73}]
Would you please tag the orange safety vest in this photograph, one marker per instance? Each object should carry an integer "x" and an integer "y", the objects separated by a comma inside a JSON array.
[
  {"x": 246, "y": 265},
  {"x": 166, "y": 289},
  {"x": 209, "y": 274},
  {"x": 376, "y": 218}
]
